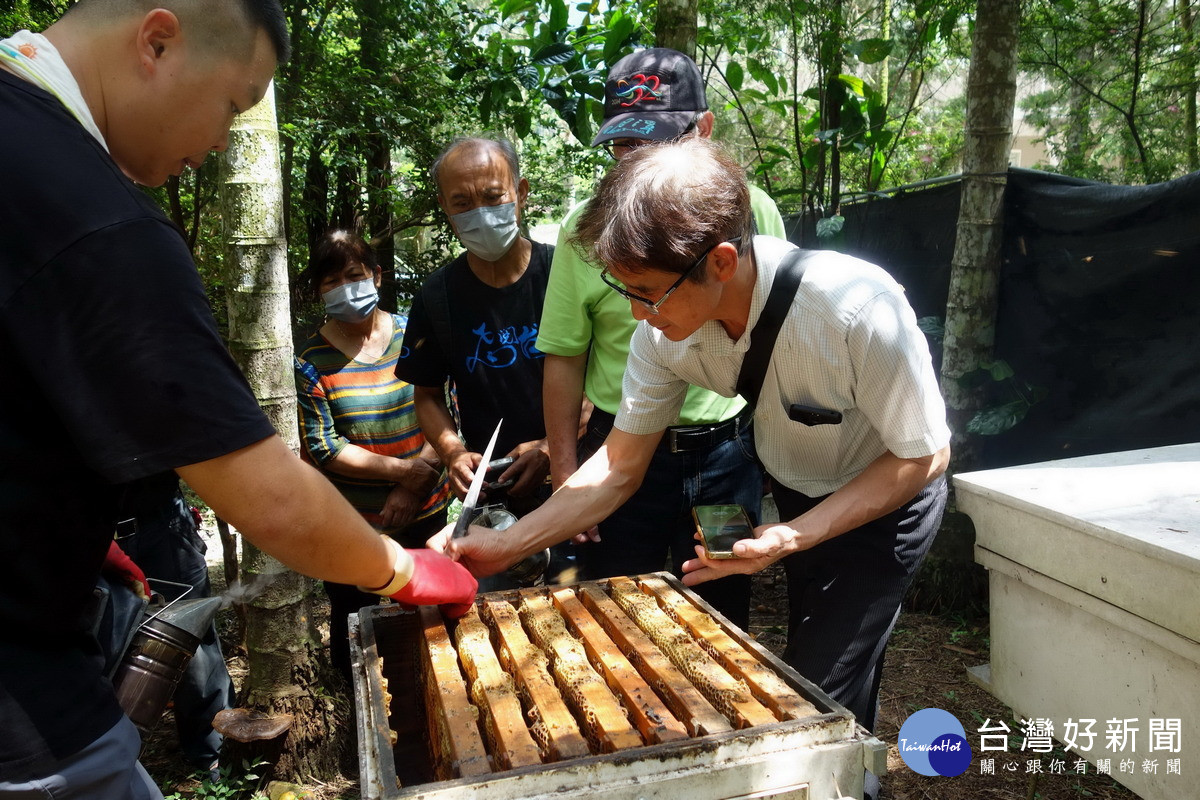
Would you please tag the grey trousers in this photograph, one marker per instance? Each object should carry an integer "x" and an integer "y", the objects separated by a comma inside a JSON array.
[
  {"x": 844, "y": 595},
  {"x": 107, "y": 769},
  {"x": 167, "y": 546},
  {"x": 844, "y": 598}
]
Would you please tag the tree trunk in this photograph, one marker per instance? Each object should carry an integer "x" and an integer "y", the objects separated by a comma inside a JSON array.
[
  {"x": 1190, "y": 146},
  {"x": 316, "y": 193},
  {"x": 831, "y": 61},
  {"x": 347, "y": 189},
  {"x": 676, "y": 24},
  {"x": 975, "y": 265},
  {"x": 379, "y": 215},
  {"x": 1132, "y": 113},
  {"x": 280, "y": 633},
  {"x": 885, "y": 66},
  {"x": 949, "y": 578},
  {"x": 379, "y": 160},
  {"x": 1079, "y": 139}
]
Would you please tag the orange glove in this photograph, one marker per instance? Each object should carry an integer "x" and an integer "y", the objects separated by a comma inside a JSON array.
[
  {"x": 438, "y": 580},
  {"x": 120, "y": 567}
]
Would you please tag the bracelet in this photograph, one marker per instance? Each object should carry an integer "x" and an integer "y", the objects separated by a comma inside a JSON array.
[{"x": 402, "y": 570}]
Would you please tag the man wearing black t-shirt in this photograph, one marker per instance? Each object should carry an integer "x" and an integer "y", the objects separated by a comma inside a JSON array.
[
  {"x": 475, "y": 320},
  {"x": 115, "y": 371}
]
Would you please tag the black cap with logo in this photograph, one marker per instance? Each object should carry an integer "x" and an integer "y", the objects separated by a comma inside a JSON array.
[{"x": 652, "y": 94}]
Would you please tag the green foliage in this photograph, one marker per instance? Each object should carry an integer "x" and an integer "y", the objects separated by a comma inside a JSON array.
[
  {"x": 533, "y": 68},
  {"x": 929, "y": 145},
  {"x": 34, "y": 15},
  {"x": 819, "y": 96},
  {"x": 1010, "y": 398},
  {"x": 1007, "y": 397},
  {"x": 1112, "y": 113},
  {"x": 361, "y": 82},
  {"x": 231, "y": 784},
  {"x": 362, "y": 70},
  {"x": 536, "y": 54},
  {"x": 830, "y": 227},
  {"x": 934, "y": 328},
  {"x": 560, "y": 169}
]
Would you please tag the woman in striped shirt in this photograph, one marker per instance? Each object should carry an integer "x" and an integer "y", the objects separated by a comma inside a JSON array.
[{"x": 357, "y": 419}]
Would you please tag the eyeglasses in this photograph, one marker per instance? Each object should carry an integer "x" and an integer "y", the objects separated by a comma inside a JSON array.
[
  {"x": 625, "y": 145},
  {"x": 652, "y": 306}
]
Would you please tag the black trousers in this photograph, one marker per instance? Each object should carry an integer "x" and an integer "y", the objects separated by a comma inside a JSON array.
[
  {"x": 844, "y": 595},
  {"x": 345, "y": 600}
]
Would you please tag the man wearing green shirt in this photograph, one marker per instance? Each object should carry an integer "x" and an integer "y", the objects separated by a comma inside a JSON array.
[{"x": 707, "y": 456}]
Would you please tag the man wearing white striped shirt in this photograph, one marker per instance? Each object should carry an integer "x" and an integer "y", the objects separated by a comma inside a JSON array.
[{"x": 860, "y": 500}]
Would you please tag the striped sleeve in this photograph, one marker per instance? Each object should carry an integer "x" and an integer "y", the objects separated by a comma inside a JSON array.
[{"x": 321, "y": 440}]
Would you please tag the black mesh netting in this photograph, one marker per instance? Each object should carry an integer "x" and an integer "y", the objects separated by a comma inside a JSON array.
[{"x": 1099, "y": 303}]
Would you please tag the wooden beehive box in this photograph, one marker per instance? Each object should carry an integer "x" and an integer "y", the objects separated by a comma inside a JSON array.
[{"x": 625, "y": 688}]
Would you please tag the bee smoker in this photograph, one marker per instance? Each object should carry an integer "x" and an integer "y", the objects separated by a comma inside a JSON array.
[{"x": 161, "y": 647}]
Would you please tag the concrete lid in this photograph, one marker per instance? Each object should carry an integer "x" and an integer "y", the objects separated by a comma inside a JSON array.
[
  {"x": 1149, "y": 499},
  {"x": 1123, "y": 528}
]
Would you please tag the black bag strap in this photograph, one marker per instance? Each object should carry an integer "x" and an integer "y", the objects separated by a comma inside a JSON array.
[
  {"x": 762, "y": 338},
  {"x": 436, "y": 293}
]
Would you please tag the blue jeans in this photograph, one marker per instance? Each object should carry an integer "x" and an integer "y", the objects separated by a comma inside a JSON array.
[{"x": 656, "y": 522}]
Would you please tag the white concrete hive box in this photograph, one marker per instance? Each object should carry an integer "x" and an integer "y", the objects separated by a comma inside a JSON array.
[{"x": 1094, "y": 576}]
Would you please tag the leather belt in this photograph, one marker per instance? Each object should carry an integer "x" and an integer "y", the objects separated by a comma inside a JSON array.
[{"x": 686, "y": 438}]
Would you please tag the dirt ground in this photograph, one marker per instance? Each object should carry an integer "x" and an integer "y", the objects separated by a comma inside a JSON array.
[
  {"x": 926, "y": 667},
  {"x": 927, "y": 663}
]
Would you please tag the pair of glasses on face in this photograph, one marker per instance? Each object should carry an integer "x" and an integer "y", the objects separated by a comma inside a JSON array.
[
  {"x": 619, "y": 147},
  {"x": 652, "y": 306}
]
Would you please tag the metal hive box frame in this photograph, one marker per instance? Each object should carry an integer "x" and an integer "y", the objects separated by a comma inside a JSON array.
[{"x": 702, "y": 710}]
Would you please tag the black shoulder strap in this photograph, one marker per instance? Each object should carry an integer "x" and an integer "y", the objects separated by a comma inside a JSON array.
[
  {"x": 436, "y": 293},
  {"x": 762, "y": 338}
]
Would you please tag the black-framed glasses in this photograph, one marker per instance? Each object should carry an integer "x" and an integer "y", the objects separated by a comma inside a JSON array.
[{"x": 652, "y": 306}]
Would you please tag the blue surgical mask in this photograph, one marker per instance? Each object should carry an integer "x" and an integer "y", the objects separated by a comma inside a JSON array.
[
  {"x": 352, "y": 302},
  {"x": 487, "y": 231}
]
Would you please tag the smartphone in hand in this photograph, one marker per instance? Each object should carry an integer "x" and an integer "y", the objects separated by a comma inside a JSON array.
[
  {"x": 494, "y": 469},
  {"x": 720, "y": 527}
]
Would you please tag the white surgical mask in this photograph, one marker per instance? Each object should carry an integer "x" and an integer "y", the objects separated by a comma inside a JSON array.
[
  {"x": 352, "y": 302},
  {"x": 487, "y": 231}
]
